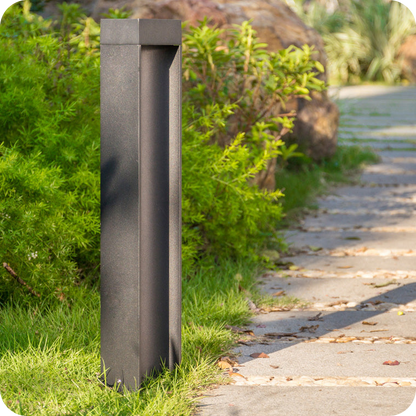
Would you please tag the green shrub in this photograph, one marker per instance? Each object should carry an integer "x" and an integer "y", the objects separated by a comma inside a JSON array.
[{"x": 49, "y": 161}]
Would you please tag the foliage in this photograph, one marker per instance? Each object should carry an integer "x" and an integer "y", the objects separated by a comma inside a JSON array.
[
  {"x": 235, "y": 91},
  {"x": 362, "y": 37},
  {"x": 49, "y": 165},
  {"x": 49, "y": 120},
  {"x": 367, "y": 47},
  {"x": 222, "y": 67},
  {"x": 317, "y": 15}
]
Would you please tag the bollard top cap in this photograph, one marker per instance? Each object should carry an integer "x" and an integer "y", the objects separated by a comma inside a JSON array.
[{"x": 141, "y": 32}]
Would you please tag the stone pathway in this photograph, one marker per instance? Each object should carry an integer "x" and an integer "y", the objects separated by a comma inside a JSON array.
[{"x": 352, "y": 350}]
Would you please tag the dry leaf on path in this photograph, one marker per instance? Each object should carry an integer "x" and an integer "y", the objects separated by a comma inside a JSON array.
[
  {"x": 369, "y": 323},
  {"x": 280, "y": 334},
  {"x": 311, "y": 328},
  {"x": 274, "y": 366},
  {"x": 259, "y": 355},
  {"x": 338, "y": 302},
  {"x": 390, "y": 282},
  {"x": 395, "y": 362},
  {"x": 316, "y": 317},
  {"x": 279, "y": 293},
  {"x": 315, "y": 248},
  {"x": 226, "y": 362},
  {"x": 344, "y": 267},
  {"x": 232, "y": 374}
]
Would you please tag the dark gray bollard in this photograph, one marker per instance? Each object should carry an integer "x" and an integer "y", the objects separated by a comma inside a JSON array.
[{"x": 140, "y": 197}]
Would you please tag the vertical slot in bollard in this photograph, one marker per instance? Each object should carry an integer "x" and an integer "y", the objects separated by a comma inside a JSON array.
[{"x": 140, "y": 198}]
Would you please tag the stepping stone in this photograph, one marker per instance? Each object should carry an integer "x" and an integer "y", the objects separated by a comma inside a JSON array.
[
  {"x": 339, "y": 240},
  {"x": 313, "y": 359},
  {"x": 300, "y": 401},
  {"x": 359, "y": 221},
  {"x": 366, "y": 264},
  {"x": 378, "y": 145},
  {"x": 328, "y": 291},
  {"x": 389, "y": 326}
]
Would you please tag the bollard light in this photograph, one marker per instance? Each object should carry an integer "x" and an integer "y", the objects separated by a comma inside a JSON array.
[{"x": 140, "y": 198}]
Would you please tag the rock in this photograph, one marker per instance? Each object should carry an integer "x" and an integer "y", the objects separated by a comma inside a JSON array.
[
  {"x": 278, "y": 26},
  {"x": 408, "y": 54},
  {"x": 316, "y": 127}
]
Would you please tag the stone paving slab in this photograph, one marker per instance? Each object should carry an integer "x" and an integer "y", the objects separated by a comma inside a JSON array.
[
  {"x": 353, "y": 263},
  {"x": 374, "y": 203},
  {"x": 331, "y": 290},
  {"x": 306, "y": 401},
  {"x": 351, "y": 239},
  {"x": 370, "y": 91},
  {"x": 389, "y": 178},
  {"x": 358, "y": 191},
  {"x": 315, "y": 359},
  {"x": 379, "y": 145},
  {"x": 359, "y": 221},
  {"x": 379, "y": 137},
  {"x": 391, "y": 168},
  {"x": 398, "y": 130},
  {"x": 397, "y": 157},
  {"x": 334, "y": 324}
]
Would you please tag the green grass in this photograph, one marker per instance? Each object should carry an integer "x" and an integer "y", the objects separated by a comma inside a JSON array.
[{"x": 50, "y": 362}]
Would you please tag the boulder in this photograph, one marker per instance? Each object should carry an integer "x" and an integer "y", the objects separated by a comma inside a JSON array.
[
  {"x": 278, "y": 26},
  {"x": 407, "y": 53}
]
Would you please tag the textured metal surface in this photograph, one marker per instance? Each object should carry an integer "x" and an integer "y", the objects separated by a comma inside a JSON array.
[
  {"x": 150, "y": 32},
  {"x": 140, "y": 208}
]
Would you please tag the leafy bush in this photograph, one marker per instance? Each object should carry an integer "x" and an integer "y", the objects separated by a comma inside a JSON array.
[{"x": 49, "y": 162}]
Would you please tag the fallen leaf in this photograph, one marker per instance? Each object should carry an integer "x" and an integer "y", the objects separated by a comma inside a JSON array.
[
  {"x": 232, "y": 374},
  {"x": 279, "y": 293},
  {"x": 260, "y": 326},
  {"x": 395, "y": 362},
  {"x": 236, "y": 329},
  {"x": 311, "y": 328},
  {"x": 274, "y": 366},
  {"x": 369, "y": 323},
  {"x": 390, "y": 282},
  {"x": 344, "y": 267},
  {"x": 280, "y": 334},
  {"x": 251, "y": 304},
  {"x": 315, "y": 248},
  {"x": 316, "y": 317},
  {"x": 379, "y": 330},
  {"x": 361, "y": 250},
  {"x": 338, "y": 302},
  {"x": 259, "y": 355},
  {"x": 352, "y": 238},
  {"x": 294, "y": 268},
  {"x": 400, "y": 313},
  {"x": 223, "y": 364}
]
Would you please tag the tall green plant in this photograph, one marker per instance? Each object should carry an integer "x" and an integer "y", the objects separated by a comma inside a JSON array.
[{"x": 367, "y": 47}]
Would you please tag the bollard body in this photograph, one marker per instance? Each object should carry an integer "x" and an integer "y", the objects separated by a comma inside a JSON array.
[{"x": 140, "y": 198}]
